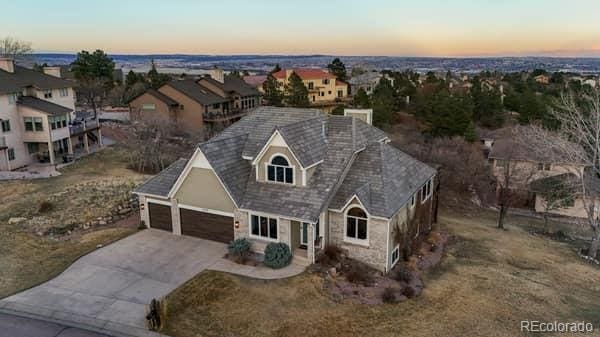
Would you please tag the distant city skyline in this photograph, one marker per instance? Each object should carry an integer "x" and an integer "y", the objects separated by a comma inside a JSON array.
[{"x": 434, "y": 28}]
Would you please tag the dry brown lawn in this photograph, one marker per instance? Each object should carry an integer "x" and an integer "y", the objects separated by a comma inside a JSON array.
[
  {"x": 487, "y": 283},
  {"x": 87, "y": 189}
]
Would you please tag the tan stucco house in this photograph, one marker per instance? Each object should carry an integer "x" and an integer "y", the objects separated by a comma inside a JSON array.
[
  {"x": 323, "y": 87},
  {"x": 300, "y": 177},
  {"x": 37, "y": 118},
  {"x": 195, "y": 102}
]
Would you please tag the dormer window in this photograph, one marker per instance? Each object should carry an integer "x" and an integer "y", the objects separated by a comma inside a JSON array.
[{"x": 279, "y": 170}]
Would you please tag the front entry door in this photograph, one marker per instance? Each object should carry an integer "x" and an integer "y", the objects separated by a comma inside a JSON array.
[{"x": 304, "y": 234}]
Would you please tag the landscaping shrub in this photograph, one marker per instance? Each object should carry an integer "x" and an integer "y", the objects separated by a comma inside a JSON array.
[
  {"x": 333, "y": 252},
  {"x": 359, "y": 274},
  {"x": 239, "y": 249},
  {"x": 409, "y": 292},
  {"x": 403, "y": 275},
  {"x": 388, "y": 295},
  {"x": 277, "y": 255},
  {"x": 45, "y": 206}
]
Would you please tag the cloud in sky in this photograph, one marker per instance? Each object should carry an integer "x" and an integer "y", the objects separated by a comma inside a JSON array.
[{"x": 351, "y": 27}]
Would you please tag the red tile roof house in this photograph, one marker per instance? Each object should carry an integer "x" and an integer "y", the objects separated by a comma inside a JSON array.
[{"x": 301, "y": 177}]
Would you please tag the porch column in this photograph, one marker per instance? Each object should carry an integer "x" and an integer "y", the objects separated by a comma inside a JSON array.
[
  {"x": 70, "y": 145},
  {"x": 175, "y": 218},
  {"x": 100, "y": 143},
  {"x": 86, "y": 143},
  {"x": 51, "y": 152},
  {"x": 310, "y": 251}
]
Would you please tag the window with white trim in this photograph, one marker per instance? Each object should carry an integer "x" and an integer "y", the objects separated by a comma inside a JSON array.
[
  {"x": 48, "y": 94},
  {"x": 413, "y": 201},
  {"x": 280, "y": 171},
  {"x": 356, "y": 224},
  {"x": 395, "y": 255},
  {"x": 148, "y": 106},
  {"x": 426, "y": 190},
  {"x": 64, "y": 92},
  {"x": 12, "y": 98},
  {"x": 263, "y": 227}
]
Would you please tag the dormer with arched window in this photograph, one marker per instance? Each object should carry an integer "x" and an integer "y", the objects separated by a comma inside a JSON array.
[{"x": 279, "y": 170}]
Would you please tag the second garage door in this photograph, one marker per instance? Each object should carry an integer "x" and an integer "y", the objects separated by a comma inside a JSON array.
[{"x": 206, "y": 225}]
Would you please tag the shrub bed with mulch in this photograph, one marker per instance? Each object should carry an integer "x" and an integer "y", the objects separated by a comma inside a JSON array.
[{"x": 348, "y": 279}]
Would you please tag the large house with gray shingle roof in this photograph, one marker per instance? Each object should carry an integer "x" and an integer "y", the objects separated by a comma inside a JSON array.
[
  {"x": 37, "y": 118},
  {"x": 300, "y": 177}
]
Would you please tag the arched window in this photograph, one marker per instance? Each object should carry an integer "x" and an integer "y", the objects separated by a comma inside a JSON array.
[
  {"x": 356, "y": 224},
  {"x": 279, "y": 170}
]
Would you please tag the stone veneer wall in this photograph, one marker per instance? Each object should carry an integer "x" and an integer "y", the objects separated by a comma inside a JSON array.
[
  {"x": 375, "y": 253},
  {"x": 258, "y": 245}
]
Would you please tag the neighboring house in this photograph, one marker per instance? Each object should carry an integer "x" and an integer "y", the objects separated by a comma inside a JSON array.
[
  {"x": 543, "y": 79},
  {"x": 323, "y": 87},
  {"x": 37, "y": 117},
  {"x": 300, "y": 177},
  {"x": 528, "y": 166},
  {"x": 367, "y": 81},
  {"x": 572, "y": 203},
  {"x": 192, "y": 103}
]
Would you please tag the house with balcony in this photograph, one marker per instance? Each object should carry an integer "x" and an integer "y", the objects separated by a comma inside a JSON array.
[
  {"x": 193, "y": 103},
  {"x": 37, "y": 118},
  {"x": 323, "y": 87},
  {"x": 301, "y": 177}
]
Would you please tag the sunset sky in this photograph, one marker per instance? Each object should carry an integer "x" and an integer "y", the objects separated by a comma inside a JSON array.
[{"x": 336, "y": 27}]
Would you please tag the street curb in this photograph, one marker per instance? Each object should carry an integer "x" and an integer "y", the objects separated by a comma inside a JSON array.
[{"x": 75, "y": 321}]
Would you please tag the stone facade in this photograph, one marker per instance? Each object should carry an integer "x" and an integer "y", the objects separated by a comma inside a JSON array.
[{"x": 374, "y": 252}]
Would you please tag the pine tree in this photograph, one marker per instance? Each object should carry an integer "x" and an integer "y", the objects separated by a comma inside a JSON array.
[
  {"x": 337, "y": 68},
  {"x": 273, "y": 95},
  {"x": 156, "y": 79},
  {"x": 296, "y": 92},
  {"x": 383, "y": 102},
  {"x": 361, "y": 99}
]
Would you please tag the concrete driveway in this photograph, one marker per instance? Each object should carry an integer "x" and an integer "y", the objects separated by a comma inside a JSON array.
[{"x": 109, "y": 288}]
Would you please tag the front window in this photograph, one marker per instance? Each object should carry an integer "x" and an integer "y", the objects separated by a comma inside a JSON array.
[
  {"x": 263, "y": 227},
  {"x": 395, "y": 255},
  {"x": 426, "y": 190},
  {"x": 33, "y": 148},
  {"x": 356, "y": 224},
  {"x": 57, "y": 122},
  {"x": 280, "y": 171},
  {"x": 413, "y": 201},
  {"x": 5, "y": 125},
  {"x": 48, "y": 94},
  {"x": 33, "y": 124},
  {"x": 149, "y": 106},
  {"x": 325, "y": 81},
  {"x": 11, "y": 154},
  {"x": 64, "y": 92},
  {"x": 12, "y": 98}
]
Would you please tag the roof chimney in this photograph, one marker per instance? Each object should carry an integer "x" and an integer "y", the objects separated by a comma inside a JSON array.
[
  {"x": 52, "y": 71},
  {"x": 288, "y": 72},
  {"x": 7, "y": 64},
  {"x": 217, "y": 74}
]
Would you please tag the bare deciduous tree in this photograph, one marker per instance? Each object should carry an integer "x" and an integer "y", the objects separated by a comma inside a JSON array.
[
  {"x": 578, "y": 141},
  {"x": 155, "y": 141},
  {"x": 13, "y": 48}
]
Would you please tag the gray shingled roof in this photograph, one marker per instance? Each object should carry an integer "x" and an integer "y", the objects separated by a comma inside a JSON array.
[
  {"x": 196, "y": 92},
  {"x": 161, "y": 184},
  {"x": 383, "y": 178},
  {"x": 162, "y": 97},
  {"x": 235, "y": 84},
  {"x": 23, "y": 77},
  {"x": 43, "y": 106}
]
